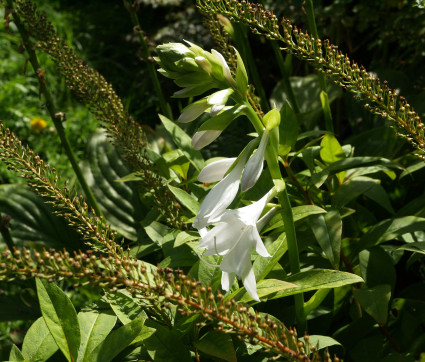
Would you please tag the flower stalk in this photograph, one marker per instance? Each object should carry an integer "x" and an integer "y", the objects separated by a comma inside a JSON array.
[
  {"x": 57, "y": 117},
  {"x": 287, "y": 217}
]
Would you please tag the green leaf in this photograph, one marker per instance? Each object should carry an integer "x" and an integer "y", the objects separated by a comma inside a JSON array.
[
  {"x": 34, "y": 223},
  {"x": 217, "y": 344},
  {"x": 351, "y": 189},
  {"x": 183, "y": 142},
  {"x": 378, "y": 194},
  {"x": 417, "y": 247},
  {"x": 263, "y": 266},
  {"x": 125, "y": 307},
  {"x": 331, "y": 152},
  {"x": 15, "y": 354},
  {"x": 328, "y": 229},
  {"x": 94, "y": 329},
  {"x": 116, "y": 341},
  {"x": 184, "y": 237},
  {"x": 304, "y": 281},
  {"x": 390, "y": 229},
  {"x": 165, "y": 345},
  {"x": 39, "y": 344},
  {"x": 299, "y": 213},
  {"x": 119, "y": 201},
  {"x": 288, "y": 128},
  {"x": 375, "y": 301},
  {"x": 60, "y": 317},
  {"x": 321, "y": 341},
  {"x": 186, "y": 199},
  {"x": 377, "y": 267}
]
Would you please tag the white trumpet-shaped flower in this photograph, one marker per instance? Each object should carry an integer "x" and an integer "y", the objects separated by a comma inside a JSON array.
[
  {"x": 254, "y": 166},
  {"x": 203, "y": 138},
  {"x": 216, "y": 101},
  {"x": 220, "y": 197},
  {"x": 233, "y": 238},
  {"x": 216, "y": 170}
]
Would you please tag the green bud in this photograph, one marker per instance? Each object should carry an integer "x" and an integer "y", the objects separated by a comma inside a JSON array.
[
  {"x": 171, "y": 53},
  {"x": 271, "y": 119},
  {"x": 227, "y": 25},
  {"x": 241, "y": 76},
  {"x": 187, "y": 65}
]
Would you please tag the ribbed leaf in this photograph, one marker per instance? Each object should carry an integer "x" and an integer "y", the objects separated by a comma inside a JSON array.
[
  {"x": 33, "y": 221},
  {"x": 119, "y": 201}
]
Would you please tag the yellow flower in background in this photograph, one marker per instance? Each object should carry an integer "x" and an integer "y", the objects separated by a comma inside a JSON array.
[{"x": 38, "y": 124}]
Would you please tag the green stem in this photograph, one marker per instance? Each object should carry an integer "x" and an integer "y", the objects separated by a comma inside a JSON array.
[
  {"x": 54, "y": 115},
  {"x": 163, "y": 104},
  {"x": 285, "y": 75},
  {"x": 4, "y": 231},
  {"x": 322, "y": 81},
  {"x": 242, "y": 43},
  {"x": 287, "y": 216}
]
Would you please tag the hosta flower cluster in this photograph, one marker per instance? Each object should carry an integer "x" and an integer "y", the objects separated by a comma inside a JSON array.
[{"x": 230, "y": 234}]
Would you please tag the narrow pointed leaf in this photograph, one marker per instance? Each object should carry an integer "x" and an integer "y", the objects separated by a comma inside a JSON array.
[
  {"x": 186, "y": 199},
  {"x": 305, "y": 281},
  {"x": 184, "y": 142},
  {"x": 125, "y": 307},
  {"x": 217, "y": 344},
  {"x": 117, "y": 341},
  {"x": 327, "y": 229},
  {"x": 375, "y": 301},
  {"x": 15, "y": 354},
  {"x": 39, "y": 344},
  {"x": 95, "y": 327},
  {"x": 60, "y": 317}
]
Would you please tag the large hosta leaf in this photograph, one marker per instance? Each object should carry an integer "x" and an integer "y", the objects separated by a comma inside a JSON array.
[
  {"x": 33, "y": 222},
  {"x": 119, "y": 201}
]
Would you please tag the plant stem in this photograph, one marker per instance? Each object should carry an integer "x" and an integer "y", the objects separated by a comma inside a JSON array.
[
  {"x": 56, "y": 117},
  {"x": 322, "y": 81},
  {"x": 287, "y": 216},
  {"x": 163, "y": 104},
  {"x": 4, "y": 231}
]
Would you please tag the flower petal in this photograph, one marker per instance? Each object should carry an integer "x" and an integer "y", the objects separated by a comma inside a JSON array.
[
  {"x": 254, "y": 166},
  {"x": 203, "y": 138},
  {"x": 226, "y": 70},
  {"x": 251, "y": 213},
  {"x": 227, "y": 280},
  {"x": 219, "y": 198},
  {"x": 250, "y": 284},
  {"x": 219, "y": 240},
  {"x": 216, "y": 170},
  {"x": 220, "y": 97},
  {"x": 193, "y": 111},
  {"x": 259, "y": 245}
]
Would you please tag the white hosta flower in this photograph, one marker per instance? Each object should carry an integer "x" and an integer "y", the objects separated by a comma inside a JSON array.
[
  {"x": 216, "y": 170},
  {"x": 203, "y": 138},
  {"x": 233, "y": 238},
  {"x": 194, "y": 110},
  {"x": 219, "y": 198},
  {"x": 254, "y": 166}
]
